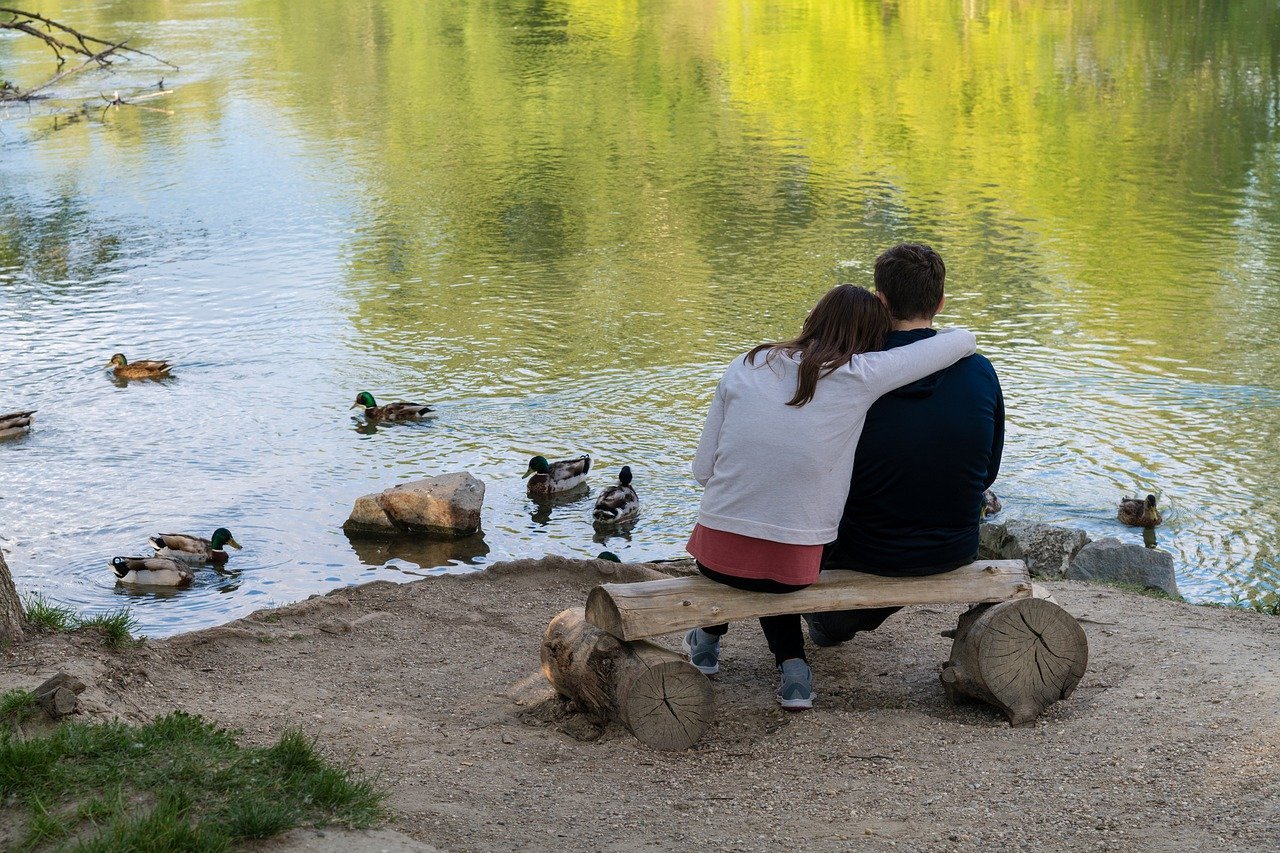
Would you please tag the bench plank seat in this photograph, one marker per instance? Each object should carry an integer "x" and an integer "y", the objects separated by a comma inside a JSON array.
[{"x": 633, "y": 611}]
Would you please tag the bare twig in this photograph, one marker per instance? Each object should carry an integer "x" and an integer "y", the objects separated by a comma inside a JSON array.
[{"x": 26, "y": 22}]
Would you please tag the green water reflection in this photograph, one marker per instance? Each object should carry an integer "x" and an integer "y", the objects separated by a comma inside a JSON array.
[{"x": 562, "y": 216}]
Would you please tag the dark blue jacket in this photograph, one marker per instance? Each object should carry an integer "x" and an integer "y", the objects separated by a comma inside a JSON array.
[{"x": 927, "y": 453}]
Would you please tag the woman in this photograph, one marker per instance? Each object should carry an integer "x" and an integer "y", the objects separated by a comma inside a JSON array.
[{"x": 776, "y": 457}]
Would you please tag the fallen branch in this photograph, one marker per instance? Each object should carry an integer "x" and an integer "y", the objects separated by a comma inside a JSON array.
[
  {"x": 26, "y": 22},
  {"x": 63, "y": 40}
]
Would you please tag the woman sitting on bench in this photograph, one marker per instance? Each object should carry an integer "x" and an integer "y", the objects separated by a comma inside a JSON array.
[{"x": 776, "y": 456}]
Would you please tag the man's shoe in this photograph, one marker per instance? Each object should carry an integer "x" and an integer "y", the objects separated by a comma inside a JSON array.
[
  {"x": 795, "y": 690},
  {"x": 818, "y": 636},
  {"x": 703, "y": 650}
]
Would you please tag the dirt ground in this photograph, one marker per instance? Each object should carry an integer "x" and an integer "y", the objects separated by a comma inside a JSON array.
[{"x": 1171, "y": 741}]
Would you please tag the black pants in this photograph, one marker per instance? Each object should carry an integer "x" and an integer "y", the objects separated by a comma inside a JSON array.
[
  {"x": 839, "y": 626},
  {"x": 786, "y": 640}
]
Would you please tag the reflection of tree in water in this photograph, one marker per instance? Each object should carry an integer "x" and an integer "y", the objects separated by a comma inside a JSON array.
[{"x": 57, "y": 243}]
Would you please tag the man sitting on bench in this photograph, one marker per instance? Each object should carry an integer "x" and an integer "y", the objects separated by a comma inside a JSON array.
[{"x": 927, "y": 453}]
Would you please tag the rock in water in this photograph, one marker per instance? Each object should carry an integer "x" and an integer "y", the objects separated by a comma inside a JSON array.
[
  {"x": 1047, "y": 550},
  {"x": 1111, "y": 561},
  {"x": 443, "y": 507}
]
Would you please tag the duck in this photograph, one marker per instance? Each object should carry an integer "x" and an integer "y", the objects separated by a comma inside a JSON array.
[
  {"x": 145, "y": 369},
  {"x": 550, "y": 478},
  {"x": 1137, "y": 512},
  {"x": 194, "y": 550},
  {"x": 152, "y": 571},
  {"x": 990, "y": 504},
  {"x": 400, "y": 411},
  {"x": 617, "y": 503},
  {"x": 15, "y": 423}
]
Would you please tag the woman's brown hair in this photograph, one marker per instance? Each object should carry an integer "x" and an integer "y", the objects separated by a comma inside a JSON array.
[{"x": 846, "y": 321}]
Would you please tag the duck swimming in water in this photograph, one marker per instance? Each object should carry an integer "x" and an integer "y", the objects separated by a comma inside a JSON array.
[
  {"x": 1137, "y": 512},
  {"x": 16, "y": 423},
  {"x": 550, "y": 478},
  {"x": 152, "y": 571},
  {"x": 400, "y": 411},
  {"x": 617, "y": 503},
  {"x": 194, "y": 550},
  {"x": 145, "y": 369}
]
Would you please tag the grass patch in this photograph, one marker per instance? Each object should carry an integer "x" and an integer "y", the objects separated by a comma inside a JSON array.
[
  {"x": 1139, "y": 589},
  {"x": 47, "y": 616},
  {"x": 17, "y": 706},
  {"x": 178, "y": 784},
  {"x": 117, "y": 627}
]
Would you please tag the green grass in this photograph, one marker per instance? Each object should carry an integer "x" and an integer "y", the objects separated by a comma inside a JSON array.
[
  {"x": 177, "y": 784},
  {"x": 17, "y": 706},
  {"x": 117, "y": 626},
  {"x": 46, "y": 616},
  {"x": 1148, "y": 591}
]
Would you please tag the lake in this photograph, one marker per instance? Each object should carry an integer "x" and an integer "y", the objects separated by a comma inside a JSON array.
[{"x": 558, "y": 221}]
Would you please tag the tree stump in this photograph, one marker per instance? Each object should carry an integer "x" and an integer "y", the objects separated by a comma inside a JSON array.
[
  {"x": 1020, "y": 656},
  {"x": 659, "y": 696},
  {"x": 11, "y": 618},
  {"x": 58, "y": 695}
]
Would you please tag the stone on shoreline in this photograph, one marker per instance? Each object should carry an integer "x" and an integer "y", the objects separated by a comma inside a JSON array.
[
  {"x": 1047, "y": 550},
  {"x": 1111, "y": 561},
  {"x": 443, "y": 507}
]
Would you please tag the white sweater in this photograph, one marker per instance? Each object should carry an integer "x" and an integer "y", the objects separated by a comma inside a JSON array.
[{"x": 779, "y": 472}]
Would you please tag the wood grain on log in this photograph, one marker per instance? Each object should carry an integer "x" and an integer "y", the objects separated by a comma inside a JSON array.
[
  {"x": 1020, "y": 656},
  {"x": 652, "y": 608},
  {"x": 58, "y": 695},
  {"x": 656, "y": 693}
]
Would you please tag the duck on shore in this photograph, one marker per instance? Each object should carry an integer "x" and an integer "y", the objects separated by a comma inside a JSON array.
[
  {"x": 550, "y": 478},
  {"x": 1137, "y": 512},
  {"x": 152, "y": 571},
  {"x": 194, "y": 550},
  {"x": 990, "y": 504},
  {"x": 144, "y": 369},
  {"x": 398, "y": 411},
  {"x": 16, "y": 423},
  {"x": 617, "y": 503}
]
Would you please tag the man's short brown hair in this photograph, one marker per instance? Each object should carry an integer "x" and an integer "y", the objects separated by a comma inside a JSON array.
[{"x": 911, "y": 275}]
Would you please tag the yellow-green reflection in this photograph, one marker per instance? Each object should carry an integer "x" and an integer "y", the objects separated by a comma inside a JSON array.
[{"x": 559, "y": 217}]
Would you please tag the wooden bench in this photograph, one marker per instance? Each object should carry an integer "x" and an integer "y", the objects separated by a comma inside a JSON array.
[{"x": 1013, "y": 650}]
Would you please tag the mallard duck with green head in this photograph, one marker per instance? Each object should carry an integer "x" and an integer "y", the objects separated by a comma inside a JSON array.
[
  {"x": 145, "y": 369},
  {"x": 16, "y": 423},
  {"x": 400, "y": 411},
  {"x": 617, "y": 503},
  {"x": 1137, "y": 512},
  {"x": 194, "y": 550},
  {"x": 152, "y": 571},
  {"x": 551, "y": 478}
]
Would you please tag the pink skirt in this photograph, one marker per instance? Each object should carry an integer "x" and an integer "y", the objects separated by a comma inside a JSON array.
[{"x": 748, "y": 557}]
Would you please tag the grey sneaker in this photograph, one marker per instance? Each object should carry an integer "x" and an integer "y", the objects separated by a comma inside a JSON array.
[
  {"x": 703, "y": 650},
  {"x": 795, "y": 690}
]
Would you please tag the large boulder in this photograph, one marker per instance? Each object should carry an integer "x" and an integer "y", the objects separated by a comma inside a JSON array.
[
  {"x": 1047, "y": 550},
  {"x": 443, "y": 507},
  {"x": 1112, "y": 561}
]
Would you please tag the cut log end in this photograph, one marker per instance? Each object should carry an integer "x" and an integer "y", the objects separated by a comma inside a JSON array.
[
  {"x": 1020, "y": 656},
  {"x": 657, "y": 694}
]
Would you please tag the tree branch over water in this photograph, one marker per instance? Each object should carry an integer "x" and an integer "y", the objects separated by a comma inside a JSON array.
[{"x": 63, "y": 41}]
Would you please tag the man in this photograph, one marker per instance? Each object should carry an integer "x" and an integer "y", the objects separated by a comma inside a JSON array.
[{"x": 927, "y": 453}]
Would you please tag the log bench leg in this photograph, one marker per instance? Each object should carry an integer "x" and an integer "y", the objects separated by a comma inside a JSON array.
[
  {"x": 659, "y": 696},
  {"x": 1020, "y": 656}
]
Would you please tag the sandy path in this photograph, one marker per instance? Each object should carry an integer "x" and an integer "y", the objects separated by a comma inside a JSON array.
[{"x": 1170, "y": 742}]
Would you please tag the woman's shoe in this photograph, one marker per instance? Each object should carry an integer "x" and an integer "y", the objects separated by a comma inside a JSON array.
[
  {"x": 795, "y": 689},
  {"x": 703, "y": 650}
]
